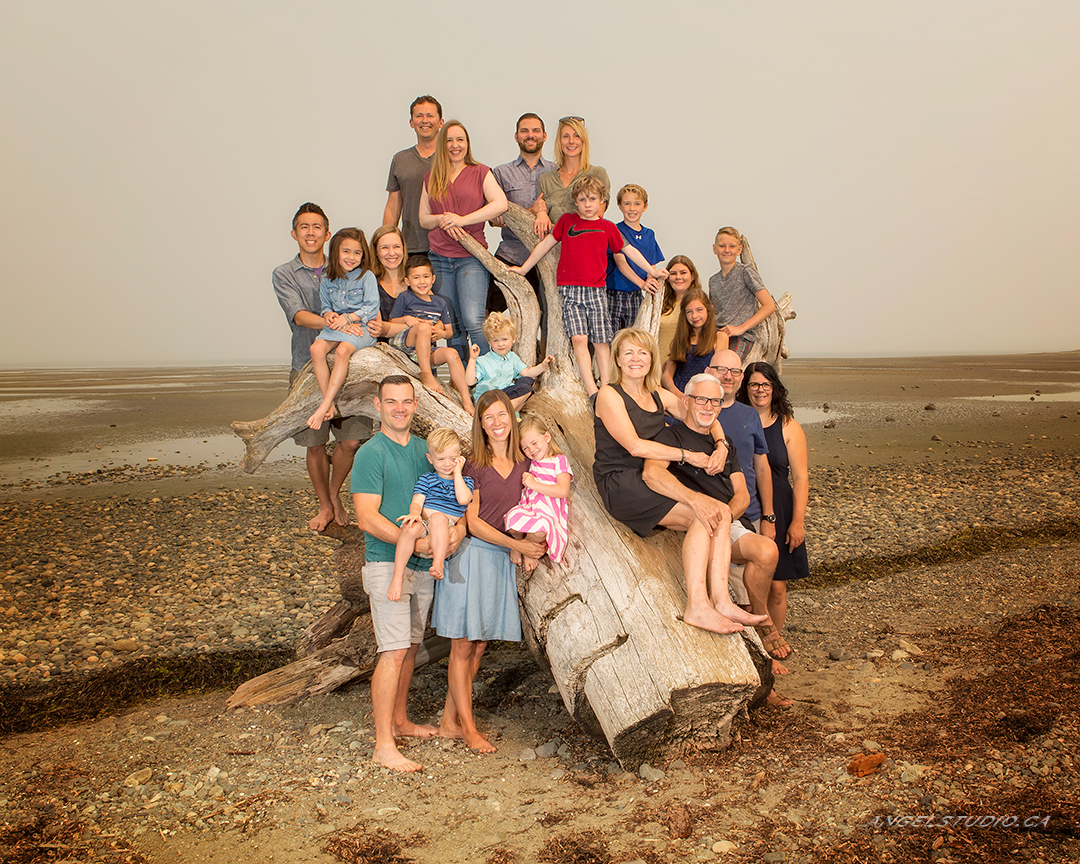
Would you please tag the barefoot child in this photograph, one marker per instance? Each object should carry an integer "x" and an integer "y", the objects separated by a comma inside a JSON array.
[
  {"x": 541, "y": 514},
  {"x": 501, "y": 368},
  {"x": 439, "y": 500},
  {"x": 582, "y": 274},
  {"x": 427, "y": 319},
  {"x": 736, "y": 292},
  {"x": 350, "y": 296}
]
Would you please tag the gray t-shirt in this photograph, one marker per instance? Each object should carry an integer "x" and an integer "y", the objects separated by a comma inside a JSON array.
[
  {"x": 733, "y": 296},
  {"x": 297, "y": 290},
  {"x": 407, "y": 172}
]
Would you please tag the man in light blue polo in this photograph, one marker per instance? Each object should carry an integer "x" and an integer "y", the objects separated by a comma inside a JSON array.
[
  {"x": 296, "y": 286},
  {"x": 520, "y": 181}
]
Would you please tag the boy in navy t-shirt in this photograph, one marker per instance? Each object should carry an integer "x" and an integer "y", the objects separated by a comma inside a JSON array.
[
  {"x": 626, "y": 281},
  {"x": 428, "y": 320},
  {"x": 586, "y": 239}
]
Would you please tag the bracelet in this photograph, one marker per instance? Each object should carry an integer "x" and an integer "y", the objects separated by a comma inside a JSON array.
[{"x": 682, "y": 456}]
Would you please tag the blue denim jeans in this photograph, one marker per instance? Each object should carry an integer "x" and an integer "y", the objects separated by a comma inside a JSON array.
[{"x": 463, "y": 284}]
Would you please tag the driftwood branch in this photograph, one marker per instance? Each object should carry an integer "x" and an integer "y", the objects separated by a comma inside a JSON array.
[{"x": 607, "y": 618}]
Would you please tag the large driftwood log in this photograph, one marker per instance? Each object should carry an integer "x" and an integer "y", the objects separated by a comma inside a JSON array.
[{"x": 607, "y": 619}]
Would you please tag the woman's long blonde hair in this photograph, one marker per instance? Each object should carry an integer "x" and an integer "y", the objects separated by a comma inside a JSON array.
[
  {"x": 439, "y": 182},
  {"x": 578, "y": 127},
  {"x": 643, "y": 339}
]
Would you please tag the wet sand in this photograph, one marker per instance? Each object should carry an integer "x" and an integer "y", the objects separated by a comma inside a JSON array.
[{"x": 171, "y": 425}]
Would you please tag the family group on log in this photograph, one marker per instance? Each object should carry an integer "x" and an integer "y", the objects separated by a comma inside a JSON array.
[{"x": 646, "y": 639}]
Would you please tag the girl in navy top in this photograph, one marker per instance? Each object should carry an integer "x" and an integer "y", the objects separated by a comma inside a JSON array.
[{"x": 695, "y": 340}]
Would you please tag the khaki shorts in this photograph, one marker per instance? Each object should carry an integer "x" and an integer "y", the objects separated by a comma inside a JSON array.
[
  {"x": 355, "y": 428},
  {"x": 398, "y": 623},
  {"x": 736, "y": 585}
]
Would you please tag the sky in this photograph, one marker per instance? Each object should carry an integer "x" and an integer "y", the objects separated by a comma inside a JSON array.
[{"x": 909, "y": 172}]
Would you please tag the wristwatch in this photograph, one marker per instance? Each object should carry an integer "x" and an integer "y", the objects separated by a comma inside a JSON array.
[{"x": 769, "y": 517}]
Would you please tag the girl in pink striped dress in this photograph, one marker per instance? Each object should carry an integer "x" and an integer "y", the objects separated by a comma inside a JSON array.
[{"x": 541, "y": 514}]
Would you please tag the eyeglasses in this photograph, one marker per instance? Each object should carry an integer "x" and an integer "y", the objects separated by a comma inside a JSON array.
[
  {"x": 759, "y": 385},
  {"x": 702, "y": 401},
  {"x": 579, "y": 119},
  {"x": 733, "y": 371}
]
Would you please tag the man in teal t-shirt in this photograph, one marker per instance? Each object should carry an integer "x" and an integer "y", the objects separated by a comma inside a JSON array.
[{"x": 384, "y": 473}]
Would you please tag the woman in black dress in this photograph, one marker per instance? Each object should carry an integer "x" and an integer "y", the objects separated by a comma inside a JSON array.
[
  {"x": 629, "y": 412},
  {"x": 762, "y": 389}
]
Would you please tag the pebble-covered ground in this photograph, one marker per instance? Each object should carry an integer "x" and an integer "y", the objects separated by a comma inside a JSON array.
[{"x": 91, "y": 582}]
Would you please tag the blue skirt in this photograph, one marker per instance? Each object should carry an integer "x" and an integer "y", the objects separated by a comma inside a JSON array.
[
  {"x": 477, "y": 599},
  {"x": 331, "y": 335}
]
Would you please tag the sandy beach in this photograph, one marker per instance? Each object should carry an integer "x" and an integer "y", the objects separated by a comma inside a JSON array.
[{"x": 131, "y": 537}]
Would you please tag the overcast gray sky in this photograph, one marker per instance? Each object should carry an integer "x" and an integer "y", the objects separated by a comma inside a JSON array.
[{"x": 908, "y": 171}]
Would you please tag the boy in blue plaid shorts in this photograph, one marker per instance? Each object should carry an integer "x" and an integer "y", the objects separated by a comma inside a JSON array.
[{"x": 586, "y": 238}]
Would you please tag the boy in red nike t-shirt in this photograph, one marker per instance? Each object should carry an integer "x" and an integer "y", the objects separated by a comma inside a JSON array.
[{"x": 586, "y": 238}]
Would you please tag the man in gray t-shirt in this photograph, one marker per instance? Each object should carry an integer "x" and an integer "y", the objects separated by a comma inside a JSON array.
[
  {"x": 406, "y": 179},
  {"x": 296, "y": 286}
]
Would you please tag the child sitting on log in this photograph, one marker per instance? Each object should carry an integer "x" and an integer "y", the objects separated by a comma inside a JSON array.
[
  {"x": 736, "y": 291},
  {"x": 427, "y": 319},
  {"x": 541, "y": 515},
  {"x": 439, "y": 501},
  {"x": 501, "y": 368},
  {"x": 349, "y": 295}
]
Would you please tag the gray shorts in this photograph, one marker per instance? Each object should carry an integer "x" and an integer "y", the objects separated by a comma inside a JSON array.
[
  {"x": 398, "y": 623},
  {"x": 355, "y": 428}
]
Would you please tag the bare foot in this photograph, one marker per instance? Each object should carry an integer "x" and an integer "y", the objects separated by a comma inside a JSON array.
[
  {"x": 408, "y": 729},
  {"x": 316, "y": 419},
  {"x": 479, "y": 744},
  {"x": 450, "y": 729},
  {"x": 736, "y": 613},
  {"x": 775, "y": 700},
  {"x": 436, "y": 572},
  {"x": 390, "y": 757},
  {"x": 779, "y": 668},
  {"x": 340, "y": 516},
  {"x": 531, "y": 564},
  {"x": 515, "y": 556},
  {"x": 432, "y": 383},
  {"x": 321, "y": 519},
  {"x": 708, "y": 618},
  {"x": 468, "y": 406}
]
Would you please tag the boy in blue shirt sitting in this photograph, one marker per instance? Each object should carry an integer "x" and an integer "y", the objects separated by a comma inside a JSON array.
[
  {"x": 501, "y": 368},
  {"x": 626, "y": 280},
  {"x": 428, "y": 320}
]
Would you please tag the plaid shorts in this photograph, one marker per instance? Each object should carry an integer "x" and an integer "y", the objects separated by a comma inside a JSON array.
[
  {"x": 623, "y": 308},
  {"x": 585, "y": 312},
  {"x": 740, "y": 345}
]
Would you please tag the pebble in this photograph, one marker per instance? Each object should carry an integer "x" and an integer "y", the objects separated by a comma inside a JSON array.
[
  {"x": 103, "y": 580},
  {"x": 650, "y": 774},
  {"x": 549, "y": 749},
  {"x": 527, "y": 755}
]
